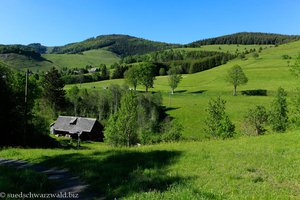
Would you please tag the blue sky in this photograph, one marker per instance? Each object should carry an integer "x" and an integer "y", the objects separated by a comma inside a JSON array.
[{"x": 58, "y": 22}]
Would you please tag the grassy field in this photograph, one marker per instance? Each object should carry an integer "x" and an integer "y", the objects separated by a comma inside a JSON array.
[
  {"x": 91, "y": 57},
  {"x": 188, "y": 104},
  {"x": 264, "y": 167}
]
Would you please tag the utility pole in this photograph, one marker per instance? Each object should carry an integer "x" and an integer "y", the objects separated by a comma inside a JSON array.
[{"x": 25, "y": 106}]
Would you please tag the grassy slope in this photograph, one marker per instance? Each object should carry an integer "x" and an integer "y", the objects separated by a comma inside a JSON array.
[
  {"x": 268, "y": 72},
  {"x": 264, "y": 167},
  {"x": 20, "y": 62},
  {"x": 91, "y": 57}
]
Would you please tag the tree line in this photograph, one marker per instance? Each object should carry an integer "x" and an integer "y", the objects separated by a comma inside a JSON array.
[
  {"x": 21, "y": 50},
  {"x": 162, "y": 61},
  {"x": 247, "y": 38}
]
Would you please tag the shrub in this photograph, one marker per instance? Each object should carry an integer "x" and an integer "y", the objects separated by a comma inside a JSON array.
[
  {"x": 255, "y": 55},
  {"x": 286, "y": 57},
  {"x": 172, "y": 131},
  {"x": 256, "y": 119}
]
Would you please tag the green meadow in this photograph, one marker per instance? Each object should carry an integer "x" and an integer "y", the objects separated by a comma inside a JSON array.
[
  {"x": 264, "y": 167},
  {"x": 91, "y": 57},
  {"x": 267, "y": 72}
]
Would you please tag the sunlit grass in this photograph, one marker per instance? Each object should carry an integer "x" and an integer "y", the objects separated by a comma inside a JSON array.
[{"x": 264, "y": 167}]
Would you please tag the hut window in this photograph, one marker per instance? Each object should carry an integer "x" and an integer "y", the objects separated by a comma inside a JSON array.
[{"x": 73, "y": 121}]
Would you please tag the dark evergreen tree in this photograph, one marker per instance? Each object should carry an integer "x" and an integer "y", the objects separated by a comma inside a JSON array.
[{"x": 53, "y": 90}]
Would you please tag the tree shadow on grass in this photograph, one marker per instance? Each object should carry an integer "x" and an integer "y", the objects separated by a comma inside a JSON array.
[
  {"x": 170, "y": 108},
  {"x": 199, "y": 92},
  {"x": 180, "y": 91},
  {"x": 256, "y": 92},
  {"x": 116, "y": 174}
]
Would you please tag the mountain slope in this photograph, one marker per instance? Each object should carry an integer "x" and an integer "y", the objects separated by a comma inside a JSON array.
[
  {"x": 267, "y": 72},
  {"x": 122, "y": 45},
  {"x": 247, "y": 38}
]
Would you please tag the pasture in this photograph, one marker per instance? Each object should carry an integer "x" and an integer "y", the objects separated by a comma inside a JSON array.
[{"x": 267, "y": 72}]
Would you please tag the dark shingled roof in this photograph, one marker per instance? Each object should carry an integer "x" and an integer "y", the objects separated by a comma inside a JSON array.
[{"x": 74, "y": 124}]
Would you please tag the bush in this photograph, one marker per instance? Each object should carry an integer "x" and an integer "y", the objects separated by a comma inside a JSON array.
[
  {"x": 286, "y": 57},
  {"x": 172, "y": 131},
  {"x": 148, "y": 137},
  {"x": 255, "y": 55},
  {"x": 256, "y": 119}
]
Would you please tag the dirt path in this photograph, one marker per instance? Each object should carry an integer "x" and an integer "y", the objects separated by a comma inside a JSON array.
[{"x": 65, "y": 181}]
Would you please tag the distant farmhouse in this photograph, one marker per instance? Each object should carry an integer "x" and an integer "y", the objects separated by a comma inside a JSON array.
[
  {"x": 86, "y": 128},
  {"x": 93, "y": 70}
]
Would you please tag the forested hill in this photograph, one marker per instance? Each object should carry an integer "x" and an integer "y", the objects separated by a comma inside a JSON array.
[
  {"x": 122, "y": 45},
  {"x": 247, "y": 38},
  {"x": 28, "y": 51}
]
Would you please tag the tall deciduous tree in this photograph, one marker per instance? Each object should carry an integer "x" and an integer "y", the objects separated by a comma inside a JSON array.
[
  {"x": 121, "y": 129},
  {"x": 278, "y": 115},
  {"x": 236, "y": 77},
  {"x": 147, "y": 75},
  {"x": 54, "y": 92},
  {"x": 132, "y": 76},
  {"x": 74, "y": 98},
  {"x": 174, "y": 78},
  {"x": 217, "y": 122}
]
